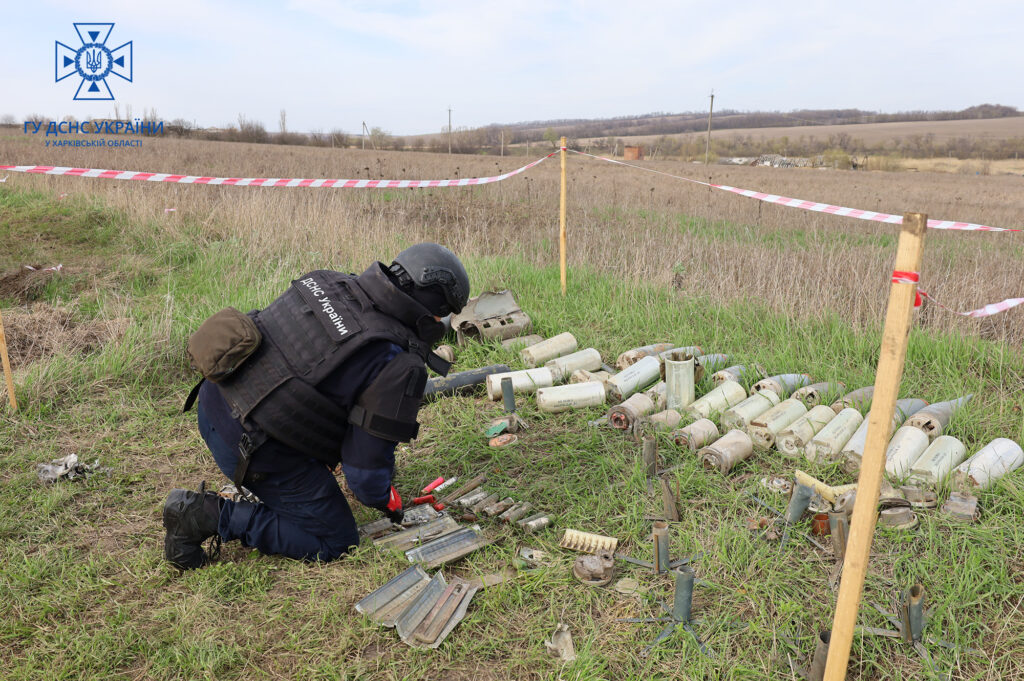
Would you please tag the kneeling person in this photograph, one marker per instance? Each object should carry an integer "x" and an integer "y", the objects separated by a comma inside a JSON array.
[{"x": 335, "y": 375}]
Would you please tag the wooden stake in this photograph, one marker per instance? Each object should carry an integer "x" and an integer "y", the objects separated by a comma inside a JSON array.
[
  {"x": 898, "y": 318},
  {"x": 561, "y": 221},
  {"x": 8, "y": 374}
]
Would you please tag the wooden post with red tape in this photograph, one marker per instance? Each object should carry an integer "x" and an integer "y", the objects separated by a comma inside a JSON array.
[
  {"x": 6, "y": 361},
  {"x": 895, "y": 336}
]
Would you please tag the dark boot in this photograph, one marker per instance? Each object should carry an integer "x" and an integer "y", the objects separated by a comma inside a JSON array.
[{"x": 190, "y": 518}]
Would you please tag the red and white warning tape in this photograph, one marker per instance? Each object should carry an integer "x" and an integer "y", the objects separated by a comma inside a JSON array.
[
  {"x": 812, "y": 205},
  {"x": 268, "y": 182},
  {"x": 899, "y": 277}
]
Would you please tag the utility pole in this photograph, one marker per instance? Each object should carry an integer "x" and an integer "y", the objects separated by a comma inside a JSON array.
[
  {"x": 364, "y": 135},
  {"x": 707, "y": 146},
  {"x": 449, "y": 129},
  {"x": 503, "y": 143}
]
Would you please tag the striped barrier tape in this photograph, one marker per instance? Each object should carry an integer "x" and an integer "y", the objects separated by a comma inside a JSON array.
[
  {"x": 811, "y": 205},
  {"x": 900, "y": 277},
  {"x": 268, "y": 182}
]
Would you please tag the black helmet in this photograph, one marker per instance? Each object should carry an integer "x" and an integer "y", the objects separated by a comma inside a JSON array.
[{"x": 434, "y": 276}]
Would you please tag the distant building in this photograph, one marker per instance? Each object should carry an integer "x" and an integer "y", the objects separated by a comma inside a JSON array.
[{"x": 633, "y": 153}]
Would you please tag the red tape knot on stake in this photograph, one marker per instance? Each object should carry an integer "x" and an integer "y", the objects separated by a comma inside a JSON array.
[{"x": 899, "y": 277}]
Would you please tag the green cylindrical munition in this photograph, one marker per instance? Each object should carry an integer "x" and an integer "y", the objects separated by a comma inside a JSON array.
[{"x": 463, "y": 381}]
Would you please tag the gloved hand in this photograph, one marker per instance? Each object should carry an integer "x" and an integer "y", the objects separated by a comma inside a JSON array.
[{"x": 393, "y": 509}]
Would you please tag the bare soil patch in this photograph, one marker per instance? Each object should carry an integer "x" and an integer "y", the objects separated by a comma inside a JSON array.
[{"x": 26, "y": 283}]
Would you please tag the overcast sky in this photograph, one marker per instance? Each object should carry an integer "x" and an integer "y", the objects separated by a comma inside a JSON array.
[{"x": 399, "y": 65}]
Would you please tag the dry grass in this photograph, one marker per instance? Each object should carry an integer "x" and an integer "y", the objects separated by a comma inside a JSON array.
[
  {"x": 40, "y": 331},
  {"x": 636, "y": 225}
]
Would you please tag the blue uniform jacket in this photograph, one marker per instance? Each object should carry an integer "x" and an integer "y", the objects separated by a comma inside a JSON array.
[{"x": 368, "y": 461}]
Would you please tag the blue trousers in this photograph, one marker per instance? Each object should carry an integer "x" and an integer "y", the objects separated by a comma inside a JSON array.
[{"x": 304, "y": 514}]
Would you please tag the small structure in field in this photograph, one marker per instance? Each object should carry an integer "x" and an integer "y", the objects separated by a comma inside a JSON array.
[{"x": 633, "y": 153}]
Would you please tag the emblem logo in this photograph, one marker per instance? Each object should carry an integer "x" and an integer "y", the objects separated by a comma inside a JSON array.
[{"x": 93, "y": 61}]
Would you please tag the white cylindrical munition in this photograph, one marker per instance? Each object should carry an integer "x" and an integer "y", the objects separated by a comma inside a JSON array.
[
  {"x": 816, "y": 393},
  {"x": 698, "y": 434},
  {"x": 859, "y": 399},
  {"x": 570, "y": 396},
  {"x": 992, "y": 462},
  {"x": 584, "y": 376},
  {"x": 740, "y": 416},
  {"x": 556, "y": 346},
  {"x": 726, "y": 395},
  {"x": 727, "y": 451},
  {"x": 624, "y": 415},
  {"x": 829, "y": 441},
  {"x": 562, "y": 367},
  {"x": 781, "y": 384},
  {"x": 679, "y": 380},
  {"x": 906, "y": 446},
  {"x": 765, "y": 428},
  {"x": 520, "y": 342},
  {"x": 853, "y": 451},
  {"x": 657, "y": 394},
  {"x": 633, "y": 356},
  {"x": 792, "y": 439},
  {"x": 934, "y": 418},
  {"x": 524, "y": 381},
  {"x": 638, "y": 375},
  {"x": 665, "y": 420},
  {"x": 943, "y": 454}
]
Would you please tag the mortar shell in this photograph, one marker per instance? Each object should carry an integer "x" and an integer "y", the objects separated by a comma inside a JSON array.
[
  {"x": 829, "y": 441},
  {"x": 816, "y": 393},
  {"x": 781, "y": 384},
  {"x": 524, "y": 381},
  {"x": 934, "y": 418},
  {"x": 942, "y": 456},
  {"x": 990, "y": 463},
  {"x": 630, "y": 357},
  {"x": 657, "y": 394},
  {"x": 570, "y": 396},
  {"x": 727, "y": 451},
  {"x": 584, "y": 376},
  {"x": 737, "y": 373},
  {"x": 906, "y": 446},
  {"x": 859, "y": 399},
  {"x": 624, "y": 415},
  {"x": 556, "y": 346},
  {"x": 792, "y": 439},
  {"x": 696, "y": 435},
  {"x": 765, "y": 428},
  {"x": 740, "y": 416},
  {"x": 638, "y": 375},
  {"x": 708, "y": 364},
  {"x": 726, "y": 395},
  {"x": 521, "y": 342},
  {"x": 562, "y": 367},
  {"x": 665, "y": 420},
  {"x": 679, "y": 378}
]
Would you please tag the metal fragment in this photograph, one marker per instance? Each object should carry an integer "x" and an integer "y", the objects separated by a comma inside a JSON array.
[
  {"x": 448, "y": 548},
  {"x": 465, "y": 489},
  {"x": 587, "y": 542},
  {"x": 561, "y": 645},
  {"x": 516, "y": 512},
  {"x": 406, "y": 539},
  {"x": 535, "y": 522},
  {"x": 383, "y": 598},
  {"x": 418, "y": 515},
  {"x": 962, "y": 507},
  {"x": 595, "y": 569},
  {"x": 472, "y": 497},
  {"x": 376, "y": 528}
]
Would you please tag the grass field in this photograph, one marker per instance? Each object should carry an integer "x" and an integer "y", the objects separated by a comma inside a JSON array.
[{"x": 84, "y": 592}]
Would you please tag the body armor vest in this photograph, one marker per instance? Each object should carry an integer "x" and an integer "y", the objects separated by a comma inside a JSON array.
[{"x": 310, "y": 331}]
